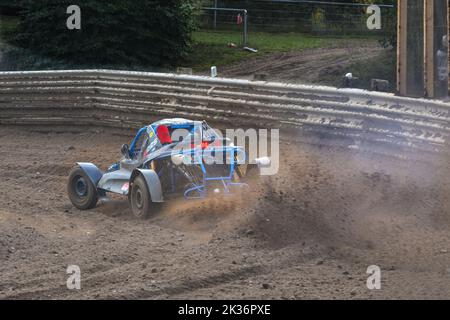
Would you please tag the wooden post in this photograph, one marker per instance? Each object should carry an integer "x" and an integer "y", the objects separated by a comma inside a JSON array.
[
  {"x": 411, "y": 48},
  {"x": 401, "y": 47},
  {"x": 440, "y": 45},
  {"x": 429, "y": 47},
  {"x": 436, "y": 48},
  {"x": 422, "y": 53}
]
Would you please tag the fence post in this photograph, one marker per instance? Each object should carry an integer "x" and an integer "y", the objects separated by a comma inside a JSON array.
[
  {"x": 245, "y": 28},
  {"x": 215, "y": 14}
]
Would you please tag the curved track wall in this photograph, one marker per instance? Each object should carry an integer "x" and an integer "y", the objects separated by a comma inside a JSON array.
[{"x": 127, "y": 99}]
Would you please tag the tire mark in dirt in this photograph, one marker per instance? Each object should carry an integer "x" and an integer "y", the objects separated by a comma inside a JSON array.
[
  {"x": 302, "y": 66},
  {"x": 190, "y": 285}
]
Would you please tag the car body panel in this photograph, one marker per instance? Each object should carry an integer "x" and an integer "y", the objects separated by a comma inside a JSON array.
[
  {"x": 116, "y": 182},
  {"x": 153, "y": 183},
  {"x": 92, "y": 171}
]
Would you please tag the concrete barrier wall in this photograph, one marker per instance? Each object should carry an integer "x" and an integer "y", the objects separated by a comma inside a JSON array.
[{"x": 124, "y": 99}]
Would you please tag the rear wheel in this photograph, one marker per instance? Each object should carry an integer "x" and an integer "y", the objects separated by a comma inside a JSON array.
[
  {"x": 139, "y": 198},
  {"x": 82, "y": 192}
]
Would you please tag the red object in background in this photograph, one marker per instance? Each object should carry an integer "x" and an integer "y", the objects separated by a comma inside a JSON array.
[
  {"x": 204, "y": 145},
  {"x": 164, "y": 135},
  {"x": 239, "y": 19}
]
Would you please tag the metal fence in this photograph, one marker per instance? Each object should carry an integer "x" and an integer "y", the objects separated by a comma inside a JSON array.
[
  {"x": 313, "y": 17},
  {"x": 222, "y": 19}
]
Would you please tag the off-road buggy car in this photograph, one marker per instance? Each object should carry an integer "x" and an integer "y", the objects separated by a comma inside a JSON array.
[{"x": 172, "y": 157}]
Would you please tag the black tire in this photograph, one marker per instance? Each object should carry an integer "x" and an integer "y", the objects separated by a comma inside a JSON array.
[
  {"x": 82, "y": 192},
  {"x": 140, "y": 200}
]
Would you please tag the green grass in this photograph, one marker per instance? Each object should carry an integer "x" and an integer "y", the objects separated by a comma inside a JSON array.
[{"x": 210, "y": 47}]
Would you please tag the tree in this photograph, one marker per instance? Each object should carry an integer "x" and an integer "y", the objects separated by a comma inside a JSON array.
[
  {"x": 114, "y": 32},
  {"x": 10, "y": 7}
]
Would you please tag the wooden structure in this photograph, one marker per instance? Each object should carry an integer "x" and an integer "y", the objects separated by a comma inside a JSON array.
[{"x": 423, "y": 48}]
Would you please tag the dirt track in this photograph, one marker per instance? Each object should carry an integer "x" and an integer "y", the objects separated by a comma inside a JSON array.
[
  {"x": 305, "y": 66},
  {"x": 310, "y": 232}
]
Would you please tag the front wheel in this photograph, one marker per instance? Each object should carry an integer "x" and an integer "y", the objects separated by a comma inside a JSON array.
[
  {"x": 82, "y": 192},
  {"x": 139, "y": 198}
]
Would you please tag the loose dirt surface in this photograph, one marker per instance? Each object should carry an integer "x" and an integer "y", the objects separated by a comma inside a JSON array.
[
  {"x": 305, "y": 66},
  {"x": 309, "y": 232}
]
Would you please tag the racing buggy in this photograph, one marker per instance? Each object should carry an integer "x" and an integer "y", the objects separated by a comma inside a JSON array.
[{"x": 169, "y": 158}]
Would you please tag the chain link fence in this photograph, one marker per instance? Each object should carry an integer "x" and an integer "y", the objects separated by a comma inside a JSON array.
[{"x": 311, "y": 17}]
